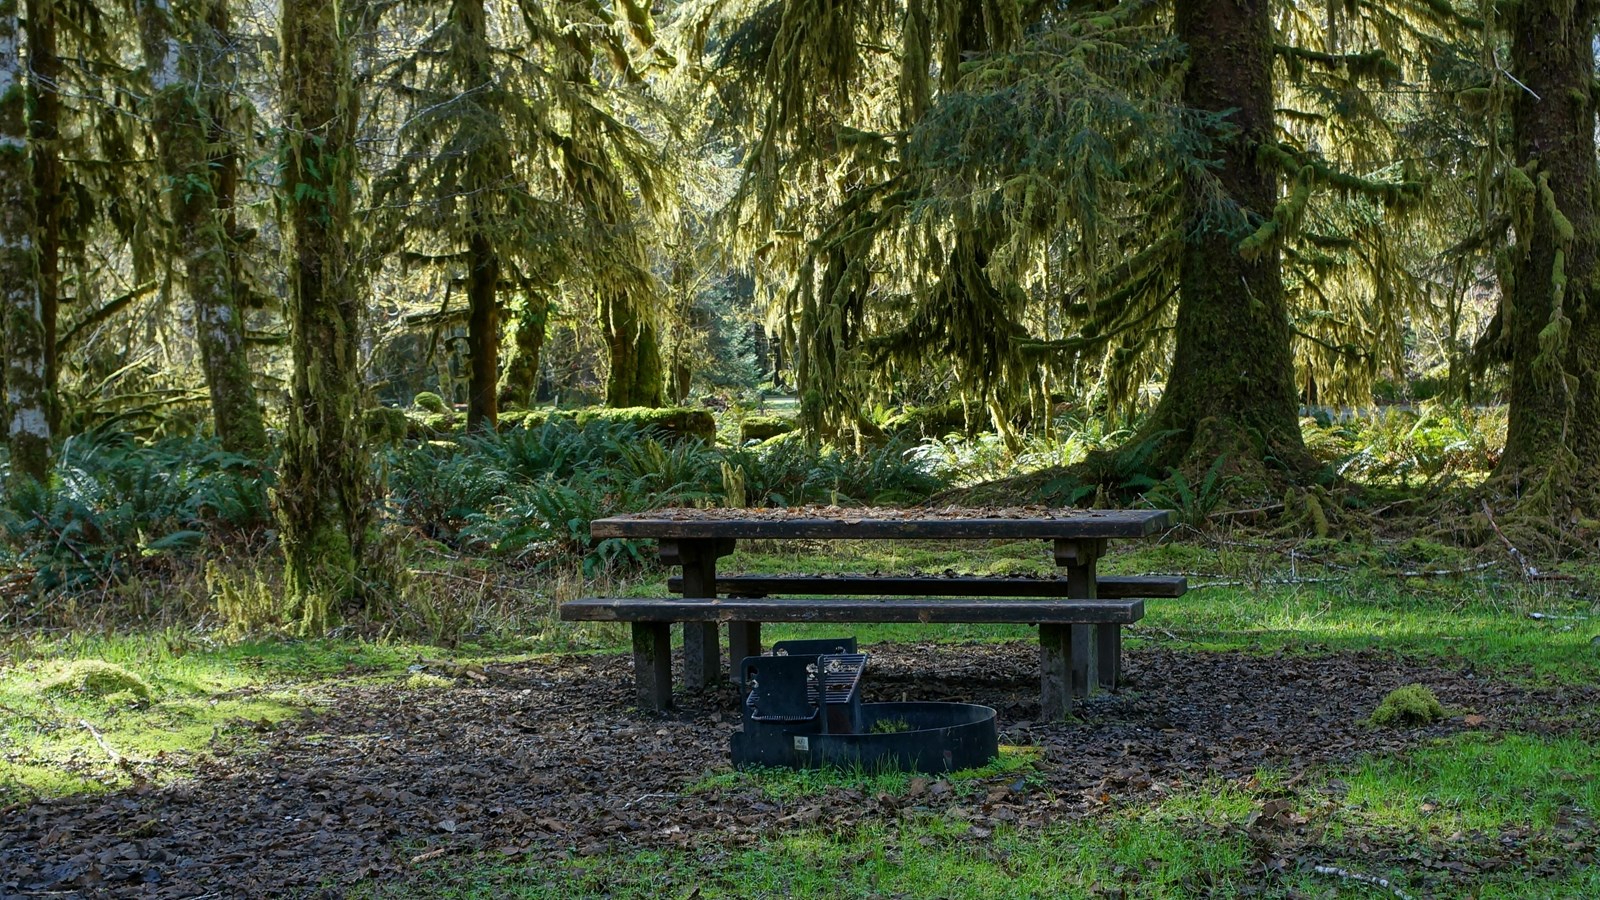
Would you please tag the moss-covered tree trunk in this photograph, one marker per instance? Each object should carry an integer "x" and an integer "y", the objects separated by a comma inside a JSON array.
[
  {"x": 1231, "y": 386},
  {"x": 26, "y": 408},
  {"x": 1551, "y": 463},
  {"x": 483, "y": 258},
  {"x": 323, "y": 493},
  {"x": 181, "y": 86},
  {"x": 520, "y": 382},
  {"x": 45, "y": 68},
  {"x": 636, "y": 377},
  {"x": 483, "y": 331}
]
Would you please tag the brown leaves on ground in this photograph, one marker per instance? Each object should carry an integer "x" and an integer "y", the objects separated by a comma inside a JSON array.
[{"x": 548, "y": 758}]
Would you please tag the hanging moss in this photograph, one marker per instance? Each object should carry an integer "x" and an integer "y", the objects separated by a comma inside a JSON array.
[
  {"x": 25, "y": 405},
  {"x": 323, "y": 495},
  {"x": 1551, "y": 460}
]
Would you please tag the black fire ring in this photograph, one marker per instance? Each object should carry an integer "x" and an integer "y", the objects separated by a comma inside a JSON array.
[{"x": 802, "y": 709}]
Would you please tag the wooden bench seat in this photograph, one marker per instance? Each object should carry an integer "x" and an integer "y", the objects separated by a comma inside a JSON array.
[
  {"x": 927, "y": 612},
  {"x": 1107, "y": 587},
  {"x": 651, "y": 620}
]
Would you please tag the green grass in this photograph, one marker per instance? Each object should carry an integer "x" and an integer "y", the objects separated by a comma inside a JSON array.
[
  {"x": 1454, "y": 799},
  {"x": 1477, "y": 783},
  {"x": 927, "y": 854},
  {"x": 203, "y": 697},
  {"x": 787, "y": 785}
]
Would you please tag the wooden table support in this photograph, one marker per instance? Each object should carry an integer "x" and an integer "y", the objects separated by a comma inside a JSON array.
[
  {"x": 1055, "y": 671},
  {"x": 702, "y": 643},
  {"x": 652, "y": 664},
  {"x": 744, "y": 639},
  {"x": 1091, "y": 667}
]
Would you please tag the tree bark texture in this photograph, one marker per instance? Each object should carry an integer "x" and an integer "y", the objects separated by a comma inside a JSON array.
[
  {"x": 1231, "y": 386},
  {"x": 1552, "y": 448},
  {"x": 44, "y": 64},
  {"x": 520, "y": 383},
  {"x": 26, "y": 408},
  {"x": 483, "y": 331},
  {"x": 484, "y": 178},
  {"x": 636, "y": 371},
  {"x": 181, "y": 100},
  {"x": 323, "y": 494}
]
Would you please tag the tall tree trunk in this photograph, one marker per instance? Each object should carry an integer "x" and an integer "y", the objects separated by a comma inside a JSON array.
[
  {"x": 483, "y": 258},
  {"x": 483, "y": 328},
  {"x": 26, "y": 407},
  {"x": 44, "y": 61},
  {"x": 181, "y": 95},
  {"x": 1231, "y": 386},
  {"x": 323, "y": 495},
  {"x": 520, "y": 382},
  {"x": 636, "y": 377},
  {"x": 1552, "y": 454}
]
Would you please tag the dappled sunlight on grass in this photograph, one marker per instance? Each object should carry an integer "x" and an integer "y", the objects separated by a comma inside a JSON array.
[{"x": 1478, "y": 783}]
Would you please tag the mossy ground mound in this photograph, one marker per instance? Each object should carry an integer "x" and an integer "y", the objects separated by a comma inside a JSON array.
[
  {"x": 761, "y": 428},
  {"x": 1409, "y": 705},
  {"x": 95, "y": 678},
  {"x": 668, "y": 421}
]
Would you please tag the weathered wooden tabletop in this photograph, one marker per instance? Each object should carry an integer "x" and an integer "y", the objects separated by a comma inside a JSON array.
[{"x": 884, "y": 524}]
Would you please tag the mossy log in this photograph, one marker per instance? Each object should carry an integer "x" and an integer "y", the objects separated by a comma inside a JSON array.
[
  {"x": 670, "y": 421},
  {"x": 761, "y": 428}
]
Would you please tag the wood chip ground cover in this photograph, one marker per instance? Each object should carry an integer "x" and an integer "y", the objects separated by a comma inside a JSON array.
[{"x": 546, "y": 759}]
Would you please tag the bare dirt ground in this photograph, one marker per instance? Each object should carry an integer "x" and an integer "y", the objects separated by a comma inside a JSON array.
[{"x": 547, "y": 759}]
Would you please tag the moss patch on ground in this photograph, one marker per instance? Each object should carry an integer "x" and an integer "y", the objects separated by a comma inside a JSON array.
[{"x": 1413, "y": 704}]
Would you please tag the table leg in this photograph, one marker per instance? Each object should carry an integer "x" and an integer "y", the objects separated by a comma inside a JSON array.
[
  {"x": 652, "y": 664},
  {"x": 1055, "y": 672},
  {"x": 1109, "y": 651},
  {"x": 1085, "y": 659},
  {"x": 702, "y": 645},
  {"x": 744, "y": 639},
  {"x": 1079, "y": 559}
]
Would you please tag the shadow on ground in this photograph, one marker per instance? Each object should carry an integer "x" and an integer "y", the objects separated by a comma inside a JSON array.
[{"x": 547, "y": 758}]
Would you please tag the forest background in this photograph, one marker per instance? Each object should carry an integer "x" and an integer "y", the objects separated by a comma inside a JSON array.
[
  {"x": 371, "y": 283},
  {"x": 329, "y": 327}
]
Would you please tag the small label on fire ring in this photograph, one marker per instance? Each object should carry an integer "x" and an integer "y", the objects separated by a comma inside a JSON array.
[{"x": 801, "y": 742}]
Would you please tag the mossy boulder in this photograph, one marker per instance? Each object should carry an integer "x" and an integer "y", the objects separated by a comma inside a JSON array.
[
  {"x": 95, "y": 678},
  {"x": 525, "y": 418},
  {"x": 761, "y": 428},
  {"x": 1413, "y": 704},
  {"x": 428, "y": 401},
  {"x": 387, "y": 425},
  {"x": 668, "y": 421}
]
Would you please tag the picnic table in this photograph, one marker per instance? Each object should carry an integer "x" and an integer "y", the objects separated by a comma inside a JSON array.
[{"x": 1080, "y": 617}]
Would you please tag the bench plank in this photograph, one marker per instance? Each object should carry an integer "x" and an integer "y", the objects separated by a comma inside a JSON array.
[
  {"x": 1107, "y": 587},
  {"x": 1057, "y": 612},
  {"x": 1073, "y": 525}
]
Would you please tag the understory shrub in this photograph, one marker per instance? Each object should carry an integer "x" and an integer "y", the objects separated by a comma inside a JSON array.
[
  {"x": 529, "y": 494},
  {"x": 111, "y": 504},
  {"x": 1407, "y": 446}
]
